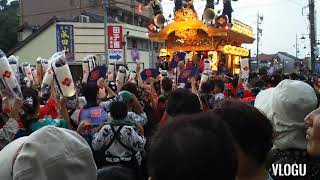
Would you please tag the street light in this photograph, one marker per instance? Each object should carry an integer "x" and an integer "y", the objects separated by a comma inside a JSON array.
[
  {"x": 259, "y": 33},
  {"x": 303, "y": 38},
  {"x": 261, "y": 18}
]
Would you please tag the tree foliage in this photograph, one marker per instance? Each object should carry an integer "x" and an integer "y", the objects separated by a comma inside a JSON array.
[{"x": 9, "y": 23}]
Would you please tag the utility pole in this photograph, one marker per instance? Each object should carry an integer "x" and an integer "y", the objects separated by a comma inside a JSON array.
[
  {"x": 152, "y": 54},
  {"x": 259, "y": 32},
  {"x": 105, "y": 7},
  {"x": 313, "y": 35},
  {"x": 258, "y": 39},
  {"x": 133, "y": 11},
  {"x": 296, "y": 47}
]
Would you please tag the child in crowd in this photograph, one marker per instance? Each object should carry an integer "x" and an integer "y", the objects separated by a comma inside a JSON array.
[{"x": 121, "y": 142}]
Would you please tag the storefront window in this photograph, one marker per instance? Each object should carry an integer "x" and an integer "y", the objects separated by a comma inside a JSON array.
[{"x": 140, "y": 44}]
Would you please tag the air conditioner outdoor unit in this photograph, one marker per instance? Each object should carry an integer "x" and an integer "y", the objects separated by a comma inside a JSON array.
[{"x": 84, "y": 19}]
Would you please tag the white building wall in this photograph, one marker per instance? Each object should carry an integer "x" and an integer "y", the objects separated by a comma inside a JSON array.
[
  {"x": 88, "y": 40},
  {"x": 44, "y": 45}
]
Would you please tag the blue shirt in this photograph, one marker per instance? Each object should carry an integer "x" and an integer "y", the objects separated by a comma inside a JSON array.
[{"x": 96, "y": 115}]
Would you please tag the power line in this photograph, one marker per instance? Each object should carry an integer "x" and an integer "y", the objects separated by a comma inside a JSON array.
[
  {"x": 77, "y": 8},
  {"x": 130, "y": 5},
  {"x": 294, "y": 2}
]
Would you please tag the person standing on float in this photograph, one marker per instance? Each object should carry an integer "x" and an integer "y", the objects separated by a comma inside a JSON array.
[
  {"x": 211, "y": 4},
  {"x": 181, "y": 4},
  {"x": 156, "y": 6},
  {"x": 227, "y": 9}
]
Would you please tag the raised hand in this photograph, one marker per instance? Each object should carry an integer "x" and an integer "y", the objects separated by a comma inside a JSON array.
[{"x": 15, "y": 110}]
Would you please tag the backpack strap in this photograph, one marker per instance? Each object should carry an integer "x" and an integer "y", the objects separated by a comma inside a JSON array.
[{"x": 116, "y": 136}]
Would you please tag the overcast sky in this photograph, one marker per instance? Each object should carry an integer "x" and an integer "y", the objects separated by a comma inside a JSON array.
[{"x": 283, "y": 19}]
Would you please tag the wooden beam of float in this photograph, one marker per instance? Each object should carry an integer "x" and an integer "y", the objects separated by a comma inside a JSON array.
[{"x": 196, "y": 36}]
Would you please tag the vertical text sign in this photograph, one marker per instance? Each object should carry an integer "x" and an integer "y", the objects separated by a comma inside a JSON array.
[
  {"x": 115, "y": 37},
  {"x": 65, "y": 40}
]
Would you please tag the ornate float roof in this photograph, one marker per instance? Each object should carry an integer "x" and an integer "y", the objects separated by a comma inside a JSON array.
[{"x": 187, "y": 33}]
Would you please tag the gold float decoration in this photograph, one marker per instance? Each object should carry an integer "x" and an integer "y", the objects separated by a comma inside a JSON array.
[
  {"x": 163, "y": 53},
  {"x": 236, "y": 71},
  {"x": 213, "y": 57},
  {"x": 217, "y": 38},
  {"x": 236, "y": 60},
  {"x": 185, "y": 15},
  {"x": 185, "y": 33},
  {"x": 242, "y": 28},
  {"x": 234, "y": 50}
]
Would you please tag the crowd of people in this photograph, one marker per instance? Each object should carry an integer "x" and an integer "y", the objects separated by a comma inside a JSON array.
[{"x": 223, "y": 128}]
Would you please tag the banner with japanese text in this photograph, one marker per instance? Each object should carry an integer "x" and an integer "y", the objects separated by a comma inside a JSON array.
[
  {"x": 65, "y": 40},
  {"x": 115, "y": 47},
  {"x": 115, "y": 37}
]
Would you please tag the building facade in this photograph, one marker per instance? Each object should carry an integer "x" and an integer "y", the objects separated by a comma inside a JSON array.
[
  {"x": 88, "y": 40},
  {"x": 282, "y": 61},
  {"x": 35, "y": 13},
  {"x": 287, "y": 61}
]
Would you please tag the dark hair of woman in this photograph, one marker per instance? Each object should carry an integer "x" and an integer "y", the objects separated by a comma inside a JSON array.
[
  {"x": 251, "y": 129},
  {"x": 131, "y": 87},
  {"x": 192, "y": 148},
  {"x": 90, "y": 92},
  {"x": 30, "y": 106},
  {"x": 206, "y": 87},
  {"x": 118, "y": 110},
  {"x": 183, "y": 102},
  {"x": 166, "y": 84}
]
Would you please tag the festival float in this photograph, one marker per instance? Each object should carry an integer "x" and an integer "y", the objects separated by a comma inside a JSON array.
[{"x": 211, "y": 37}]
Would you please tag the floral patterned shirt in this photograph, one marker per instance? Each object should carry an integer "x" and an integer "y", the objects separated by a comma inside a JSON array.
[
  {"x": 133, "y": 118},
  {"x": 116, "y": 152}
]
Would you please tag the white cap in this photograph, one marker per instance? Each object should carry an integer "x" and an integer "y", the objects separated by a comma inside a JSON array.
[
  {"x": 49, "y": 153},
  {"x": 286, "y": 106}
]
